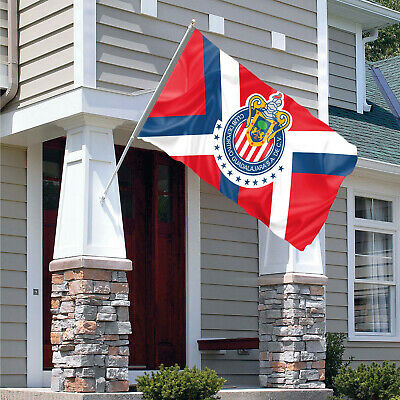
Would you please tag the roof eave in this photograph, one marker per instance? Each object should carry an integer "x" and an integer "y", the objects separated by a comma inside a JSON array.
[{"x": 368, "y": 14}]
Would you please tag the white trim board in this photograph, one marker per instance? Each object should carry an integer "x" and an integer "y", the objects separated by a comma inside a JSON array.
[
  {"x": 193, "y": 269},
  {"x": 378, "y": 166},
  {"x": 323, "y": 61},
  {"x": 386, "y": 176},
  {"x": 34, "y": 311},
  {"x": 122, "y": 107},
  {"x": 85, "y": 43},
  {"x": 360, "y": 71},
  {"x": 370, "y": 15},
  {"x": 323, "y": 85}
]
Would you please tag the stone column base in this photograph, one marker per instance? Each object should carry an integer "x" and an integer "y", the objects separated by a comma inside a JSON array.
[
  {"x": 89, "y": 331},
  {"x": 292, "y": 325}
]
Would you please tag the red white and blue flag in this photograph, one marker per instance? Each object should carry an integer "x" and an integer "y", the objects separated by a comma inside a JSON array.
[{"x": 253, "y": 143}]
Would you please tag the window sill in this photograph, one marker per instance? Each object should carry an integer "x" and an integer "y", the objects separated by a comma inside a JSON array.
[{"x": 372, "y": 338}]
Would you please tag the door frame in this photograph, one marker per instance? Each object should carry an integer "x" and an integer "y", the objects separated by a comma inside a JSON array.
[{"x": 37, "y": 377}]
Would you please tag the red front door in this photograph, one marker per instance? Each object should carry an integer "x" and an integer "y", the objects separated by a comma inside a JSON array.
[{"x": 153, "y": 210}]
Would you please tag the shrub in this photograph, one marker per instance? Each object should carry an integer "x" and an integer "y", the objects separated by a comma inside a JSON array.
[
  {"x": 173, "y": 383},
  {"x": 334, "y": 357},
  {"x": 369, "y": 382}
]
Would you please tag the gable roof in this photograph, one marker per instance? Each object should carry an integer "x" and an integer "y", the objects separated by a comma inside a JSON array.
[{"x": 375, "y": 133}]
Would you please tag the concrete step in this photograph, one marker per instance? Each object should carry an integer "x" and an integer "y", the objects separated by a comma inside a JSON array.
[{"x": 226, "y": 394}]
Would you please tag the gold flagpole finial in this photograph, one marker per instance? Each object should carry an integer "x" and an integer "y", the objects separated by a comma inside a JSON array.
[{"x": 193, "y": 23}]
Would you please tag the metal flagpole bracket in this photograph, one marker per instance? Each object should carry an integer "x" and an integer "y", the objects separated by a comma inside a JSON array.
[{"x": 152, "y": 101}]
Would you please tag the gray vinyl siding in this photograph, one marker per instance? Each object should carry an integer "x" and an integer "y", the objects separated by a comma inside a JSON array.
[
  {"x": 12, "y": 267},
  {"x": 46, "y": 53},
  {"x": 229, "y": 292},
  {"x": 336, "y": 264},
  {"x": 3, "y": 35},
  {"x": 336, "y": 297},
  {"x": 342, "y": 69},
  {"x": 133, "y": 49}
]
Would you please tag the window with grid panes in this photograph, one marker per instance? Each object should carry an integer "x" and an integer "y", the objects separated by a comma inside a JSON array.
[{"x": 373, "y": 278}]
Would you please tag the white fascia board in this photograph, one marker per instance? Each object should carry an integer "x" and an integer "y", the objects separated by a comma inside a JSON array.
[
  {"x": 373, "y": 8},
  {"x": 382, "y": 175},
  {"x": 370, "y": 15},
  {"x": 119, "y": 106},
  {"x": 127, "y": 107},
  {"x": 378, "y": 166},
  {"x": 41, "y": 113}
]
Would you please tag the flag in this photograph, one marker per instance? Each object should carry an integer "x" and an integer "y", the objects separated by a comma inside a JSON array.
[{"x": 256, "y": 145}]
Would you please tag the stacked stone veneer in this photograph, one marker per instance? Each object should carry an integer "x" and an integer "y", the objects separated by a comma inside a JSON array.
[
  {"x": 89, "y": 331},
  {"x": 292, "y": 336}
]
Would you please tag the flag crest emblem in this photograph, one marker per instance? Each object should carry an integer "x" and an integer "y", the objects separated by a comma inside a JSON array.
[{"x": 249, "y": 145}]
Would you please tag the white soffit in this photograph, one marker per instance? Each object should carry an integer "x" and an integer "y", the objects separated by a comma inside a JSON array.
[{"x": 369, "y": 15}]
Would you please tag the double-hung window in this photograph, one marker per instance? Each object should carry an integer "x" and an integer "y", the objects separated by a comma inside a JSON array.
[{"x": 373, "y": 266}]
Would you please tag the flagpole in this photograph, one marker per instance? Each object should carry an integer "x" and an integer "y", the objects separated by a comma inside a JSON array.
[{"x": 152, "y": 101}]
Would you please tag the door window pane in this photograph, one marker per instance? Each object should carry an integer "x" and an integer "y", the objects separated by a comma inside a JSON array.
[
  {"x": 164, "y": 208},
  {"x": 374, "y": 255},
  {"x": 372, "y": 308},
  {"x": 164, "y": 193},
  {"x": 52, "y": 163},
  {"x": 164, "y": 177},
  {"x": 368, "y": 208},
  {"x": 126, "y": 204},
  {"x": 125, "y": 176},
  {"x": 52, "y": 171},
  {"x": 51, "y": 194}
]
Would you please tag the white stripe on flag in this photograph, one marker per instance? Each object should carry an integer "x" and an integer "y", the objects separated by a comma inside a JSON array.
[
  {"x": 230, "y": 88},
  {"x": 318, "y": 142},
  {"x": 244, "y": 148},
  {"x": 241, "y": 138},
  {"x": 281, "y": 196},
  {"x": 261, "y": 152},
  {"x": 185, "y": 145},
  {"x": 251, "y": 152}
]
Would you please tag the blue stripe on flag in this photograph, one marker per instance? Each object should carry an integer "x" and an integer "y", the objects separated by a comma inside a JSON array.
[
  {"x": 323, "y": 163},
  {"x": 194, "y": 124},
  {"x": 229, "y": 189}
]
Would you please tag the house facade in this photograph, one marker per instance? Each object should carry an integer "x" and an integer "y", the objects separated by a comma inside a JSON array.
[{"x": 91, "y": 66}]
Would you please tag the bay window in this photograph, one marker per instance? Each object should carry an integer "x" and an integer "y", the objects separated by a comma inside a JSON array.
[{"x": 373, "y": 264}]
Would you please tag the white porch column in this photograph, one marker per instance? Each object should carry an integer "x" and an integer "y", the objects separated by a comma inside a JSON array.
[
  {"x": 291, "y": 313},
  {"x": 85, "y": 227},
  {"x": 90, "y": 323},
  {"x": 276, "y": 256}
]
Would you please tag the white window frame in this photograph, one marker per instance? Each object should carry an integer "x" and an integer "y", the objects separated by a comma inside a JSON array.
[{"x": 376, "y": 226}]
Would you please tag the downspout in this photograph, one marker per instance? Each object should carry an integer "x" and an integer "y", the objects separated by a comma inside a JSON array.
[
  {"x": 12, "y": 50},
  {"x": 368, "y": 39}
]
